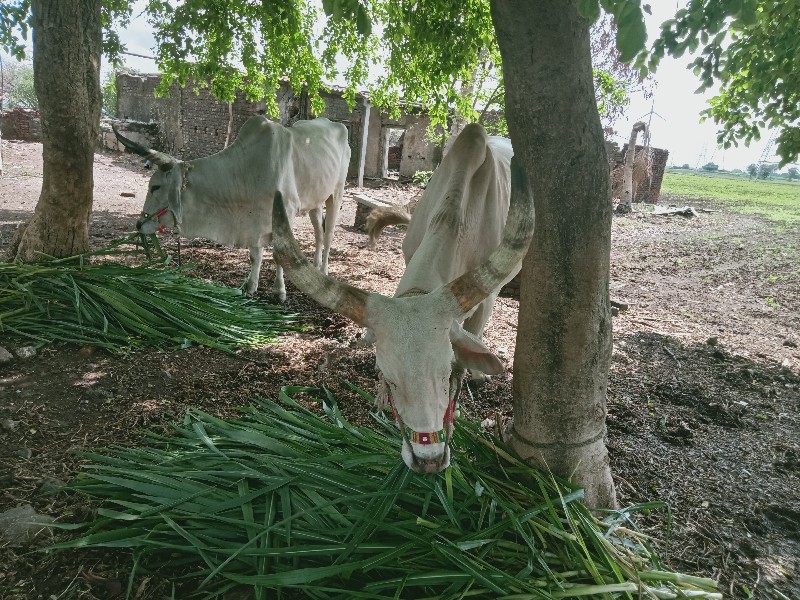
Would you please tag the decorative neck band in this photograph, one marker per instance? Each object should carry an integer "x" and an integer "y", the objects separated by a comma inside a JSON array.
[{"x": 427, "y": 437}]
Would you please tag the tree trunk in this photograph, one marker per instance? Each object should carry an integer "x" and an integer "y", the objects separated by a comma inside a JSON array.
[
  {"x": 67, "y": 40},
  {"x": 626, "y": 202},
  {"x": 563, "y": 349}
]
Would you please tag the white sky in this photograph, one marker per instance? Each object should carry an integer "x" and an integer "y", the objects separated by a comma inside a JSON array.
[{"x": 676, "y": 126}]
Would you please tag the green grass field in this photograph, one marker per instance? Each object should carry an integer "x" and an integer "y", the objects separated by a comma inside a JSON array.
[{"x": 778, "y": 201}]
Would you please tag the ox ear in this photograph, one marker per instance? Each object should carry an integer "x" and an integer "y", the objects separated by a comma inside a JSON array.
[
  {"x": 472, "y": 354},
  {"x": 174, "y": 193}
]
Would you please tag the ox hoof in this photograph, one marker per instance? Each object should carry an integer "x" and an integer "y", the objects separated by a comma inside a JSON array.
[
  {"x": 245, "y": 289},
  {"x": 478, "y": 378},
  {"x": 275, "y": 298}
]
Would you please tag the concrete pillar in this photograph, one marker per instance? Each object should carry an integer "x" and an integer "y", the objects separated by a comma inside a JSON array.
[{"x": 364, "y": 136}]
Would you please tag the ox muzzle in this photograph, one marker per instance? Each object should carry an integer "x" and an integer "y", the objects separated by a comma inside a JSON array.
[
  {"x": 149, "y": 224},
  {"x": 426, "y": 452}
]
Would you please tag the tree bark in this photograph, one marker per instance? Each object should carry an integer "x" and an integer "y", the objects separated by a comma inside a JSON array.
[
  {"x": 67, "y": 43},
  {"x": 563, "y": 349}
]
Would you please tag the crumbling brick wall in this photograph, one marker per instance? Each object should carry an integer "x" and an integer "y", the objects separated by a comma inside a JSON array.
[
  {"x": 192, "y": 123},
  {"x": 650, "y": 188},
  {"x": 21, "y": 124}
]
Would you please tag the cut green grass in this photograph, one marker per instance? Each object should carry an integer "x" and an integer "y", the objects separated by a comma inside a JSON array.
[
  {"x": 118, "y": 307},
  {"x": 285, "y": 499},
  {"x": 779, "y": 201}
]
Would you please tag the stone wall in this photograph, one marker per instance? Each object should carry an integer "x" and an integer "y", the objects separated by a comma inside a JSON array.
[
  {"x": 419, "y": 154},
  {"x": 193, "y": 124},
  {"x": 21, "y": 124}
]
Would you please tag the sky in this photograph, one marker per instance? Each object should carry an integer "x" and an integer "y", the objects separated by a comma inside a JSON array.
[{"x": 674, "y": 125}]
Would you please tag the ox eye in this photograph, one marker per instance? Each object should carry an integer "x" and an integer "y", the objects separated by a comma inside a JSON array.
[{"x": 155, "y": 188}]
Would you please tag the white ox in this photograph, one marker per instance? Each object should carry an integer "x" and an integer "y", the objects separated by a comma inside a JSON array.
[
  {"x": 465, "y": 240},
  {"x": 227, "y": 197}
]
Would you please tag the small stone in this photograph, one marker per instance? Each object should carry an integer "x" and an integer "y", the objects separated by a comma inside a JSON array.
[
  {"x": 614, "y": 311},
  {"x": 9, "y": 424},
  {"x": 25, "y": 453},
  {"x": 790, "y": 343},
  {"x": 25, "y": 352},
  {"x": 712, "y": 341},
  {"x": 787, "y": 363},
  {"x": 5, "y": 356},
  {"x": 22, "y": 525},
  {"x": 50, "y": 485},
  {"x": 98, "y": 394}
]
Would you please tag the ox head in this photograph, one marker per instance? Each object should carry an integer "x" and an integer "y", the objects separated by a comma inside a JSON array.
[
  {"x": 162, "y": 206},
  {"x": 420, "y": 347}
]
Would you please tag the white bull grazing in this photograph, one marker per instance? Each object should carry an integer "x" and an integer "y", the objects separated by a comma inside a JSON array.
[
  {"x": 464, "y": 241},
  {"x": 227, "y": 197}
]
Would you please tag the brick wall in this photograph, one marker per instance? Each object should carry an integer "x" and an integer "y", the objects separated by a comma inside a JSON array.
[
  {"x": 650, "y": 188},
  {"x": 193, "y": 124},
  {"x": 21, "y": 124}
]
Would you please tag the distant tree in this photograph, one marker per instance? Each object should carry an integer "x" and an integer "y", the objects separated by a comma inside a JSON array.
[
  {"x": 710, "y": 166},
  {"x": 109, "y": 90},
  {"x": 752, "y": 170},
  {"x": 686, "y": 166},
  {"x": 737, "y": 171},
  {"x": 792, "y": 174},
  {"x": 18, "y": 85},
  {"x": 767, "y": 170}
]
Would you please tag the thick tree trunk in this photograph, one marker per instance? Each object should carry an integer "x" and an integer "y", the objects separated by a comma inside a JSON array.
[
  {"x": 67, "y": 40},
  {"x": 563, "y": 347}
]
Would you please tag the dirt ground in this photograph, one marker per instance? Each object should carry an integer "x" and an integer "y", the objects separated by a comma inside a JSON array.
[{"x": 703, "y": 399}]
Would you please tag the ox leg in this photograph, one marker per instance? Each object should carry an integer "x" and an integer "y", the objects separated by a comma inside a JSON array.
[
  {"x": 315, "y": 214},
  {"x": 332, "y": 206},
  {"x": 475, "y": 324},
  {"x": 278, "y": 286},
  {"x": 251, "y": 283}
]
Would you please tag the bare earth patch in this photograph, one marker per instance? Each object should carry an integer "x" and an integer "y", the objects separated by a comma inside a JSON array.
[{"x": 704, "y": 391}]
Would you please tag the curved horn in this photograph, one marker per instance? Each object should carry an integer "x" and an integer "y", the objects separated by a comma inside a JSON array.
[
  {"x": 164, "y": 161},
  {"x": 474, "y": 286},
  {"x": 327, "y": 291}
]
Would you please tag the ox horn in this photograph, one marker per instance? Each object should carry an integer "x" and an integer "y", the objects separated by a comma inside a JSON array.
[
  {"x": 327, "y": 291},
  {"x": 475, "y": 285},
  {"x": 164, "y": 161}
]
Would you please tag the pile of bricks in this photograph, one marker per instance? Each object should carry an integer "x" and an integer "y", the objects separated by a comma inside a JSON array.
[{"x": 21, "y": 124}]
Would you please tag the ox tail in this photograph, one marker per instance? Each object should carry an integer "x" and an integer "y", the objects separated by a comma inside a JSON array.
[{"x": 380, "y": 218}]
